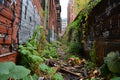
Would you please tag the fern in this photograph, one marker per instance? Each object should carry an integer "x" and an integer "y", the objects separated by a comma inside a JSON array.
[
  {"x": 44, "y": 68},
  {"x": 57, "y": 77},
  {"x": 36, "y": 59}
]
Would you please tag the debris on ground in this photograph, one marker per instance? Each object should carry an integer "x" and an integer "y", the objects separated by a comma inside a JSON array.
[{"x": 75, "y": 68}]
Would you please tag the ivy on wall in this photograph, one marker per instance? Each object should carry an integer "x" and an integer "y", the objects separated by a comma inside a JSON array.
[{"x": 76, "y": 31}]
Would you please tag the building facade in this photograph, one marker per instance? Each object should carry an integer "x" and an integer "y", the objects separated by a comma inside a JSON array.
[
  {"x": 64, "y": 27},
  {"x": 30, "y": 18},
  {"x": 54, "y": 20},
  {"x": 74, "y": 7},
  {"x": 71, "y": 11},
  {"x": 104, "y": 28},
  {"x": 18, "y": 18}
]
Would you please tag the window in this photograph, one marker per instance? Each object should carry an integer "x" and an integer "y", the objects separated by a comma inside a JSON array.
[
  {"x": 30, "y": 18},
  {"x": 25, "y": 11},
  {"x": 3, "y": 2}
]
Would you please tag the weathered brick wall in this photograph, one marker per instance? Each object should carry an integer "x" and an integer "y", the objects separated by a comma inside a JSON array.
[
  {"x": 104, "y": 27},
  {"x": 17, "y": 22},
  {"x": 9, "y": 21},
  {"x": 30, "y": 19},
  {"x": 54, "y": 20}
]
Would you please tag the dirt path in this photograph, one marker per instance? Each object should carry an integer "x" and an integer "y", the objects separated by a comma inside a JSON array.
[{"x": 72, "y": 71}]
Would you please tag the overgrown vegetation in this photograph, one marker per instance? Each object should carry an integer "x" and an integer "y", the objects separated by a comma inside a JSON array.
[
  {"x": 57, "y": 77},
  {"x": 111, "y": 67},
  {"x": 76, "y": 32},
  {"x": 36, "y": 51},
  {"x": 29, "y": 77},
  {"x": 49, "y": 51},
  {"x": 93, "y": 53},
  {"x": 30, "y": 57},
  {"x": 79, "y": 5}
]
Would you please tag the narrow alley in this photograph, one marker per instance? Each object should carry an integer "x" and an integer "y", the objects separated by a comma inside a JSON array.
[{"x": 59, "y": 39}]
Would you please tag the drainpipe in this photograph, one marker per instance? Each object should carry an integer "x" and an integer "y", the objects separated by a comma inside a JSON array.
[{"x": 21, "y": 3}]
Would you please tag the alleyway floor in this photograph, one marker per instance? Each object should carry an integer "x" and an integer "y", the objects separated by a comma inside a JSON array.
[{"x": 75, "y": 68}]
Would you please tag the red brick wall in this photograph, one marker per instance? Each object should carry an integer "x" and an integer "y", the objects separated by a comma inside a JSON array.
[
  {"x": 52, "y": 15},
  {"x": 8, "y": 31},
  {"x": 39, "y": 9}
]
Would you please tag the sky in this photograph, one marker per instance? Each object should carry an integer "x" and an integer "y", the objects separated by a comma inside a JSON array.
[{"x": 64, "y": 4}]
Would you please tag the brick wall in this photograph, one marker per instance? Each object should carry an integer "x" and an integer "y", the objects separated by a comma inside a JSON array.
[
  {"x": 54, "y": 20},
  {"x": 30, "y": 19},
  {"x": 104, "y": 27},
  {"x": 9, "y": 21},
  {"x": 17, "y": 23}
]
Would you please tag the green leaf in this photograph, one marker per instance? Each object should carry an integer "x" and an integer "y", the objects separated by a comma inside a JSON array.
[
  {"x": 113, "y": 62},
  {"x": 27, "y": 78},
  {"x": 92, "y": 79},
  {"x": 4, "y": 77},
  {"x": 19, "y": 72},
  {"x": 35, "y": 77},
  {"x": 10, "y": 70},
  {"x": 26, "y": 52},
  {"x": 35, "y": 52},
  {"x": 22, "y": 47},
  {"x": 5, "y": 67},
  {"x": 36, "y": 58},
  {"x": 57, "y": 77},
  {"x": 28, "y": 44},
  {"x": 104, "y": 70},
  {"x": 43, "y": 67},
  {"x": 115, "y": 78}
]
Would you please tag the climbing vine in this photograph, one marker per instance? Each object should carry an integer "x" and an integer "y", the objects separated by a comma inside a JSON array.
[
  {"x": 76, "y": 31},
  {"x": 79, "y": 5}
]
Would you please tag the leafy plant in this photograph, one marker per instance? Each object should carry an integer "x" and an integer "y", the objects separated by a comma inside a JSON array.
[
  {"x": 110, "y": 68},
  {"x": 57, "y": 77},
  {"x": 93, "y": 53},
  {"x": 35, "y": 51},
  {"x": 10, "y": 70},
  {"x": 113, "y": 62},
  {"x": 29, "y": 77},
  {"x": 74, "y": 47},
  {"x": 104, "y": 71},
  {"x": 115, "y": 78},
  {"x": 80, "y": 5},
  {"x": 49, "y": 51},
  {"x": 56, "y": 44},
  {"x": 89, "y": 65},
  {"x": 44, "y": 68},
  {"x": 76, "y": 30},
  {"x": 30, "y": 57}
]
